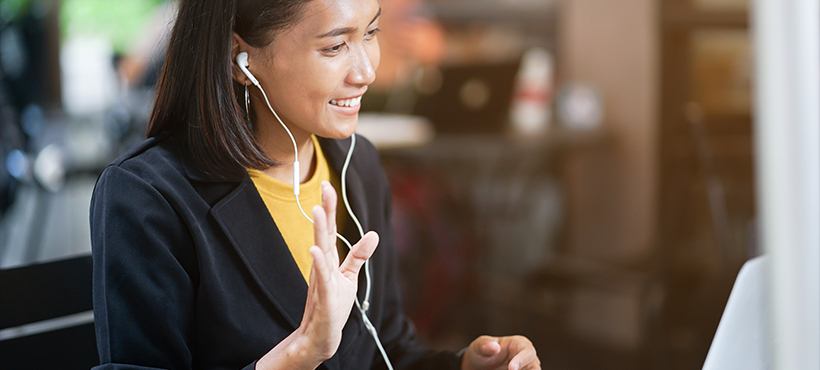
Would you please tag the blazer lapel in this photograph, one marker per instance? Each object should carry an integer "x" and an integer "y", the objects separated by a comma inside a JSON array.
[
  {"x": 247, "y": 223},
  {"x": 335, "y": 152}
]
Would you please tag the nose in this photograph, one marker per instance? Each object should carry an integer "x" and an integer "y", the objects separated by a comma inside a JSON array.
[{"x": 362, "y": 70}]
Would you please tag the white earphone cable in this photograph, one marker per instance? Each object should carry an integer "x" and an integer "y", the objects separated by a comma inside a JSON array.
[
  {"x": 366, "y": 304},
  {"x": 292, "y": 140}
]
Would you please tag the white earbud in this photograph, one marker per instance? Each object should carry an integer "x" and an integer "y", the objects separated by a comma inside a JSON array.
[{"x": 242, "y": 61}]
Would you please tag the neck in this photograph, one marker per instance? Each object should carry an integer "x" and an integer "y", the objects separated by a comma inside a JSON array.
[{"x": 278, "y": 146}]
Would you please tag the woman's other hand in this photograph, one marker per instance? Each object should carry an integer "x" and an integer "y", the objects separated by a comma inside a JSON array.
[
  {"x": 504, "y": 353},
  {"x": 332, "y": 288}
]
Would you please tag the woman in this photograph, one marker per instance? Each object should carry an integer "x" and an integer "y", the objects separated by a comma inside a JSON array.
[{"x": 200, "y": 253}]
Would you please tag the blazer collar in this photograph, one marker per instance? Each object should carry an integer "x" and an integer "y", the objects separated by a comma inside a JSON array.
[
  {"x": 244, "y": 218},
  {"x": 336, "y": 152},
  {"x": 195, "y": 173}
]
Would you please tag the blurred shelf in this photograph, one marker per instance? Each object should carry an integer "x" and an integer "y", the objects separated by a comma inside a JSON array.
[
  {"x": 489, "y": 146},
  {"x": 393, "y": 131}
]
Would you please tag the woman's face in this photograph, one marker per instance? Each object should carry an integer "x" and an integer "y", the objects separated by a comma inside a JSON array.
[{"x": 316, "y": 72}]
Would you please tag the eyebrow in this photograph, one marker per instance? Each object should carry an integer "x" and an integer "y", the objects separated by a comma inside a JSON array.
[{"x": 347, "y": 30}]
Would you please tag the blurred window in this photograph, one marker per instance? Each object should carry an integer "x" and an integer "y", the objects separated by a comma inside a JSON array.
[
  {"x": 721, "y": 70},
  {"x": 120, "y": 21}
]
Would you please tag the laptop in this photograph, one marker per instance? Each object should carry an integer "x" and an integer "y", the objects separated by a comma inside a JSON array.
[
  {"x": 741, "y": 340},
  {"x": 469, "y": 99}
]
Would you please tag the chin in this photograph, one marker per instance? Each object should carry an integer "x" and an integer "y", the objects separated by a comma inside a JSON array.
[{"x": 344, "y": 130}]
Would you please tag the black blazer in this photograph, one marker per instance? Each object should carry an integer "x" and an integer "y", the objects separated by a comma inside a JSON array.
[{"x": 191, "y": 272}]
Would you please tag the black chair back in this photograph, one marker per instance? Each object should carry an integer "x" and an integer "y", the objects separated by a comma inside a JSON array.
[{"x": 46, "y": 317}]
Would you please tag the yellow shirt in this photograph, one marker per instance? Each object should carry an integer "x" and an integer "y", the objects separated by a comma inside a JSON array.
[{"x": 278, "y": 197}]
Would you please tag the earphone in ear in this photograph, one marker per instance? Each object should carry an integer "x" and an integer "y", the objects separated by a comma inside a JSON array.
[{"x": 242, "y": 61}]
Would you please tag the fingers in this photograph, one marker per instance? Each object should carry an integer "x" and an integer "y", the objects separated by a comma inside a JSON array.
[
  {"x": 329, "y": 202},
  {"x": 320, "y": 270},
  {"x": 484, "y": 353},
  {"x": 523, "y": 352},
  {"x": 324, "y": 230},
  {"x": 359, "y": 254},
  {"x": 525, "y": 360},
  {"x": 320, "y": 233},
  {"x": 513, "y": 353}
]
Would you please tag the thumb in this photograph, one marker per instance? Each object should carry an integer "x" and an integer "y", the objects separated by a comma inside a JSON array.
[
  {"x": 482, "y": 354},
  {"x": 359, "y": 254},
  {"x": 487, "y": 346}
]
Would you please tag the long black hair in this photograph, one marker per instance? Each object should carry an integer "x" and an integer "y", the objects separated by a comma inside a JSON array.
[{"x": 197, "y": 99}]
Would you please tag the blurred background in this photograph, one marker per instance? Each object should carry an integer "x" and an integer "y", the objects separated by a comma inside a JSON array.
[{"x": 577, "y": 171}]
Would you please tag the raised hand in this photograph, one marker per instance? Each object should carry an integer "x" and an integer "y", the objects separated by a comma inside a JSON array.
[{"x": 332, "y": 286}]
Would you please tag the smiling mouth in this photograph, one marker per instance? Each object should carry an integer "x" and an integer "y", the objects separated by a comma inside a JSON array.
[{"x": 352, "y": 102}]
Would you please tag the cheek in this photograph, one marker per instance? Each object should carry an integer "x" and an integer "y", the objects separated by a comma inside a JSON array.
[
  {"x": 326, "y": 75},
  {"x": 374, "y": 52},
  {"x": 312, "y": 84}
]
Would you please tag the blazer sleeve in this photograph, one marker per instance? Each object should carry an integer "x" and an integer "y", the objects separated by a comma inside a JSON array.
[{"x": 144, "y": 276}]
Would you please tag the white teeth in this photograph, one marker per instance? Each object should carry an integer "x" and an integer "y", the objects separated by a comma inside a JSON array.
[{"x": 347, "y": 102}]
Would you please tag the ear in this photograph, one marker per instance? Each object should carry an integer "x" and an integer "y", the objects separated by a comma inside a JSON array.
[{"x": 237, "y": 46}]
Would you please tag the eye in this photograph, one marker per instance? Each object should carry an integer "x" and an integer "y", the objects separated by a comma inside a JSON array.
[
  {"x": 372, "y": 33},
  {"x": 335, "y": 49}
]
